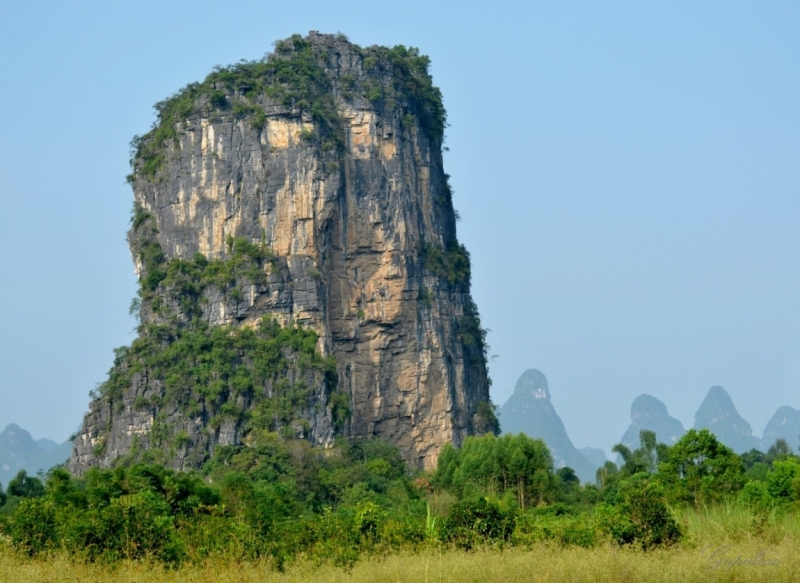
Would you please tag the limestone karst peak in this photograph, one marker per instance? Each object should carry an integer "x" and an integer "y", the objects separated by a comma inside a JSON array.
[
  {"x": 300, "y": 272},
  {"x": 649, "y": 413},
  {"x": 534, "y": 384},
  {"x": 784, "y": 424},
  {"x": 530, "y": 410},
  {"x": 718, "y": 414}
]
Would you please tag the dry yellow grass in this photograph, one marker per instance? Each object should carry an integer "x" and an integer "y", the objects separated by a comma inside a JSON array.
[
  {"x": 774, "y": 563},
  {"x": 723, "y": 543}
]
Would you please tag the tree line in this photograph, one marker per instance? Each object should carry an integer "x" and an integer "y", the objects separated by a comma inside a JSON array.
[{"x": 281, "y": 499}]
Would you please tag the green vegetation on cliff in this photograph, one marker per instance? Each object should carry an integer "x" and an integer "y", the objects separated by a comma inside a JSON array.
[
  {"x": 299, "y": 75},
  {"x": 217, "y": 369},
  {"x": 187, "y": 280},
  {"x": 450, "y": 263},
  {"x": 266, "y": 377}
]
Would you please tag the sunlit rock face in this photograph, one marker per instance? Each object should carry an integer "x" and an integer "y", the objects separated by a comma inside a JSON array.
[
  {"x": 355, "y": 205},
  {"x": 529, "y": 410},
  {"x": 718, "y": 414},
  {"x": 649, "y": 413}
]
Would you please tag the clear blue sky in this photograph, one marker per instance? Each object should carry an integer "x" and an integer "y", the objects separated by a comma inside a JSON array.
[{"x": 628, "y": 176}]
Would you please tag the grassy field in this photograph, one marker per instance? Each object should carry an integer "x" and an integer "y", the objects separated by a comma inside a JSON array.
[
  {"x": 722, "y": 544},
  {"x": 773, "y": 563}
]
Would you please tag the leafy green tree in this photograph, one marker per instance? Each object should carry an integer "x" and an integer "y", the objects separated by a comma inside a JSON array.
[
  {"x": 752, "y": 457},
  {"x": 644, "y": 459},
  {"x": 140, "y": 525},
  {"x": 476, "y": 520},
  {"x": 639, "y": 514},
  {"x": 24, "y": 486},
  {"x": 780, "y": 450},
  {"x": 567, "y": 479},
  {"x": 496, "y": 465},
  {"x": 755, "y": 496},
  {"x": 756, "y": 465},
  {"x": 783, "y": 482},
  {"x": 33, "y": 527},
  {"x": 699, "y": 469},
  {"x": 607, "y": 475}
]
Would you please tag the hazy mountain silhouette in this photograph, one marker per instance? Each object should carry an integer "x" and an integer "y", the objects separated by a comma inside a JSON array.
[
  {"x": 785, "y": 424},
  {"x": 649, "y": 413},
  {"x": 718, "y": 414},
  {"x": 18, "y": 451},
  {"x": 530, "y": 411},
  {"x": 596, "y": 456}
]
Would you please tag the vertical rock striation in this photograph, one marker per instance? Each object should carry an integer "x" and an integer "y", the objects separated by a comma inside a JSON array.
[{"x": 307, "y": 188}]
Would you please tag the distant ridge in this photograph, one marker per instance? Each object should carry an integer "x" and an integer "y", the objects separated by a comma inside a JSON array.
[
  {"x": 596, "y": 456},
  {"x": 530, "y": 411},
  {"x": 649, "y": 413},
  {"x": 718, "y": 414},
  {"x": 785, "y": 424},
  {"x": 18, "y": 451}
]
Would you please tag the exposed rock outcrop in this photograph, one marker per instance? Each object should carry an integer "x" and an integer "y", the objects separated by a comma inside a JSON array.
[
  {"x": 649, "y": 413},
  {"x": 785, "y": 424},
  {"x": 530, "y": 411},
  {"x": 307, "y": 188},
  {"x": 718, "y": 414}
]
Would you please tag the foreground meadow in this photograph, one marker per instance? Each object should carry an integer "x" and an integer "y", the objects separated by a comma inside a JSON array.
[
  {"x": 723, "y": 543},
  {"x": 494, "y": 510},
  {"x": 773, "y": 563}
]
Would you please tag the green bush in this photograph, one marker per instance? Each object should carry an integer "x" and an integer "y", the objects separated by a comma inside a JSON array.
[
  {"x": 24, "y": 486},
  {"x": 140, "y": 525},
  {"x": 451, "y": 263},
  {"x": 33, "y": 527},
  {"x": 516, "y": 464},
  {"x": 639, "y": 515},
  {"x": 476, "y": 521},
  {"x": 783, "y": 482},
  {"x": 699, "y": 469},
  {"x": 755, "y": 495},
  {"x": 486, "y": 421},
  {"x": 565, "y": 529}
]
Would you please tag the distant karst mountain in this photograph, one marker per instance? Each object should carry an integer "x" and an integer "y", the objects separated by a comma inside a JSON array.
[
  {"x": 530, "y": 411},
  {"x": 596, "y": 456},
  {"x": 18, "y": 451},
  {"x": 649, "y": 413},
  {"x": 718, "y": 414},
  {"x": 785, "y": 424}
]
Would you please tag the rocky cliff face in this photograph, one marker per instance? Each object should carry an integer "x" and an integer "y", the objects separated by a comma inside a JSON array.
[
  {"x": 718, "y": 414},
  {"x": 529, "y": 410},
  {"x": 649, "y": 413},
  {"x": 307, "y": 188}
]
